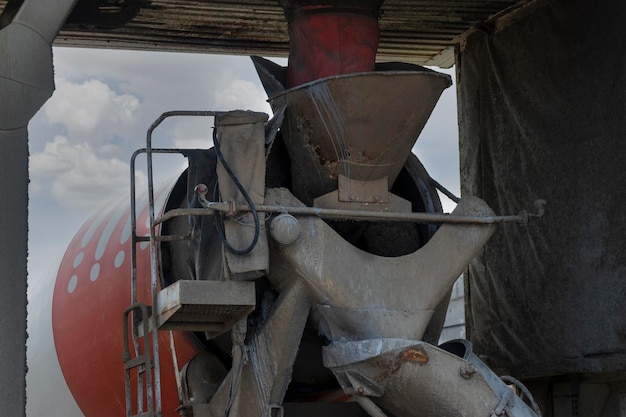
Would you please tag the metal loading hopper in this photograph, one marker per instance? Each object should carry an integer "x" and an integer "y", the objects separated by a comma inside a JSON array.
[{"x": 361, "y": 126}]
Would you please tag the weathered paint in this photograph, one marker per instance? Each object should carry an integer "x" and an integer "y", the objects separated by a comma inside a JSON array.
[{"x": 90, "y": 294}]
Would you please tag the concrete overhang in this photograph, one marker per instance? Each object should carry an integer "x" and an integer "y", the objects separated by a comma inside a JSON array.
[{"x": 416, "y": 31}]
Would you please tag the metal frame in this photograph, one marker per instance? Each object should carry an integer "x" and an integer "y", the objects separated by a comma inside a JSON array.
[
  {"x": 230, "y": 207},
  {"x": 153, "y": 239}
]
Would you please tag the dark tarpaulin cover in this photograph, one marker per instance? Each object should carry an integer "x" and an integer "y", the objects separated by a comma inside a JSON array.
[{"x": 542, "y": 111}]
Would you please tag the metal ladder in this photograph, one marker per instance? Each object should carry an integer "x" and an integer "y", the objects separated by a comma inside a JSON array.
[
  {"x": 138, "y": 359},
  {"x": 223, "y": 303},
  {"x": 143, "y": 357}
]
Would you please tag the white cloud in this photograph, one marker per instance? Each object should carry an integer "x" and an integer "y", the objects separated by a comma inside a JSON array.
[
  {"x": 438, "y": 145},
  {"x": 91, "y": 110},
  {"x": 243, "y": 95},
  {"x": 77, "y": 177},
  {"x": 110, "y": 150},
  {"x": 196, "y": 132}
]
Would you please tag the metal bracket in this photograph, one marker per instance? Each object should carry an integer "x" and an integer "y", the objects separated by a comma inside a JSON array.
[
  {"x": 375, "y": 191},
  {"x": 539, "y": 205},
  {"x": 363, "y": 386},
  {"x": 503, "y": 405}
]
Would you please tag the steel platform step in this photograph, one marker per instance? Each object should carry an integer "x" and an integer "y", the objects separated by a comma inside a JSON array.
[{"x": 205, "y": 306}]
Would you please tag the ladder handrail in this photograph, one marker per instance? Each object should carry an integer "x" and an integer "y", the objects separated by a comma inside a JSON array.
[
  {"x": 141, "y": 361},
  {"x": 154, "y": 390}
]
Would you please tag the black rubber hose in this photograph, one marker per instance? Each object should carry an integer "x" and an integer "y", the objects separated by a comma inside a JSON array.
[{"x": 246, "y": 196}]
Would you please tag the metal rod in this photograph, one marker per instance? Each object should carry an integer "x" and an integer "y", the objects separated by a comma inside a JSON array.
[
  {"x": 228, "y": 207},
  {"x": 388, "y": 216},
  {"x": 133, "y": 228},
  {"x": 133, "y": 289},
  {"x": 156, "y": 389},
  {"x": 209, "y": 211},
  {"x": 444, "y": 190}
]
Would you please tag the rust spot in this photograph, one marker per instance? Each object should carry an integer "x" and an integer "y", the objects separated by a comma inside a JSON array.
[
  {"x": 381, "y": 377},
  {"x": 317, "y": 150},
  {"x": 386, "y": 365},
  {"x": 410, "y": 355},
  {"x": 414, "y": 355}
]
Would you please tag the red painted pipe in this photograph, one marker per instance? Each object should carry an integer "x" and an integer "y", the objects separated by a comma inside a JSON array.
[{"x": 327, "y": 40}]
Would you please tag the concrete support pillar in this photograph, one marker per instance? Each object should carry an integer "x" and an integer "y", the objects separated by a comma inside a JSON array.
[
  {"x": 13, "y": 230},
  {"x": 26, "y": 82}
]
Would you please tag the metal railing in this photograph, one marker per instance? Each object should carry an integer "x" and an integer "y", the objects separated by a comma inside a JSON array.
[{"x": 153, "y": 383}]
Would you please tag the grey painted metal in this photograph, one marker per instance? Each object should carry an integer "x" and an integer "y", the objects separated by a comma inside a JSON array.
[
  {"x": 208, "y": 306},
  {"x": 368, "y": 304},
  {"x": 200, "y": 379},
  {"x": 416, "y": 379},
  {"x": 258, "y": 387},
  {"x": 354, "y": 279},
  {"x": 378, "y": 201},
  {"x": 26, "y": 82},
  {"x": 367, "y": 307},
  {"x": 337, "y": 126},
  {"x": 369, "y": 406},
  {"x": 240, "y": 148},
  {"x": 285, "y": 228}
]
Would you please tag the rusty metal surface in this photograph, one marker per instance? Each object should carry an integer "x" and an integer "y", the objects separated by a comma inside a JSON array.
[
  {"x": 340, "y": 126},
  {"x": 415, "y": 379},
  {"x": 421, "y": 32}
]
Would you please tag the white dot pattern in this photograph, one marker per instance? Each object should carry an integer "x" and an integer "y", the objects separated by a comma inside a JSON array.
[
  {"x": 92, "y": 228},
  {"x": 119, "y": 259},
  {"x": 125, "y": 232},
  {"x": 78, "y": 259},
  {"x": 108, "y": 230},
  {"x": 71, "y": 286},
  {"x": 118, "y": 213},
  {"x": 95, "y": 271}
]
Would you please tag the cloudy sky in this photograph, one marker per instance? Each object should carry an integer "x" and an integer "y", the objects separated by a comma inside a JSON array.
[{"x": 82, "y": 139}]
